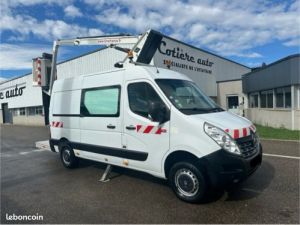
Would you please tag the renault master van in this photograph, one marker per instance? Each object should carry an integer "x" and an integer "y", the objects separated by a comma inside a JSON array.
[{"x": 156, "y": 121}]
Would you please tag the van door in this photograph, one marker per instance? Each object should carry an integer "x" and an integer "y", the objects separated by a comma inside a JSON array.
[
  {"x": 100, "y": 117},
  {"x": 141, "y": 134}
]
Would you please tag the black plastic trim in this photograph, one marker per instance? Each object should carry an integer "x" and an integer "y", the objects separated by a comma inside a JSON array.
[
  {"x": 224, "y": 168},
  {"x": 67, "y": 115},
  {"x": 53, "y": 142},
  {"x": 151, "y": 45},
  {"x": 122, "y": 153}
]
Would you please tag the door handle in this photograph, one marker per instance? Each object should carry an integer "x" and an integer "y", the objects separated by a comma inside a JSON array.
[
  {"x": 110, "y": 126},
  {"x": 131, "y": 127}
]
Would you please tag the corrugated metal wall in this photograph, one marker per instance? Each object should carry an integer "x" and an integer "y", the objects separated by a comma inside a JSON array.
[
  {"x": 282, "y": 73},
  {"x": 98, "y": 61}
]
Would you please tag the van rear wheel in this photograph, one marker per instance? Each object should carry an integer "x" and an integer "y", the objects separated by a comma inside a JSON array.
[
  {"x": 188, "y": 182},
  {"x": 67, "y": 156}
]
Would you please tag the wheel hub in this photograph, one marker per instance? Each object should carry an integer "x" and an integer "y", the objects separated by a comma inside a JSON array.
[
  {"x": 186, "y": 182},
  {"x": 66, "y": 156}
]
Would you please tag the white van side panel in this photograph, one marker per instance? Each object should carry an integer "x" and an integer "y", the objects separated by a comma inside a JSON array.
[
  {"x": 94, "y": 130},
  {"x": 116, "y": 161},
  {"x": 67, "y": 102},
  {"x": 103, "y": 79},
  {"x": 64, "y": 119}
]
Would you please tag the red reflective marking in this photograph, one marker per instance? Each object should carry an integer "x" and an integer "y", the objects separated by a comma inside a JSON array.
[
  {"x": 159, "y": 130},
  {"x": 244, "y": 132},
  {"x": 61, "y": 124},
  {"x": 148, "y": 129},
  {"x": 39, "y": 68},
  {"x": 39, "y": 76},
  {"x": 227, "y": 130},
  {"x": 138, "y": 127},
  {"x": 236, "y": 134}
]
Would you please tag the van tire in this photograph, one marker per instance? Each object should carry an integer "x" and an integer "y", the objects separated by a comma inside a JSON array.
[
  {"x": 188, "y": 182},
  {"x": 67, "y": 156}
]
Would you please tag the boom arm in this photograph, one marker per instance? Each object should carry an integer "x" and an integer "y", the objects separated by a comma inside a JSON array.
[{"x": 109, "y": 41}]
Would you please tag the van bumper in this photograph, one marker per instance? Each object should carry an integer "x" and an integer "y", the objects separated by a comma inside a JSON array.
[
  {"x": 224, "y": 169},
  {"x": 52, "y": 143}
]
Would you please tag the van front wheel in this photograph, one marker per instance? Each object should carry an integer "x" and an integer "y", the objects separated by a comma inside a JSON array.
[
  {"x": 69, "y": 160},
  {"x": 188, "y": 182}
]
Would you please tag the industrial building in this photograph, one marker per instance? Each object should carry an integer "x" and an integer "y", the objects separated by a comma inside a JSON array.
[
  {"x": 274, "y": 94},
  {"x": 220, "y": 78}
]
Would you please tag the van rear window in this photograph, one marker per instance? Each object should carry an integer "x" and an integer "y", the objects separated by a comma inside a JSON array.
[{"x": 101, "y": 101}]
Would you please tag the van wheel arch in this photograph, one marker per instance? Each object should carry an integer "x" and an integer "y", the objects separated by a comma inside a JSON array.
[
  {"x": 178, "y": 156},
  {"x": 63, "y": 141}
]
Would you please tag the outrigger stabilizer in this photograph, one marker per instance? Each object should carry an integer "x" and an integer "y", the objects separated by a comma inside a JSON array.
[{"x": 105, "y": 175}]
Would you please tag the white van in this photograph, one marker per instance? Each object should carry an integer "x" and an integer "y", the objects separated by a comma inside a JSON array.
[{"x": 156, "y": 121}]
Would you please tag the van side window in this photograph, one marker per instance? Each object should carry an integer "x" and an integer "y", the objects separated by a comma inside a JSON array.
[
  {"x": 139, "y": 96},
  {"x": 103, "y": 102}
]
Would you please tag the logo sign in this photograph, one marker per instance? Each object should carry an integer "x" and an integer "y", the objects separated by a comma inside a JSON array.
[
  {"x": 198, "y": 65},
  {"x": 176, "y": 55},
  {"x": 13, "y": 92}
]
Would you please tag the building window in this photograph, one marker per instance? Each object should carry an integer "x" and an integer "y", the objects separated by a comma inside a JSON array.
[
  {"x": 32, "y": 111},
  {"x": 287, "y": 97},
  {"x": 39, "y": 110},
  {"x": 232, "y": 102},
  {"x": 22, "y": 111},
  {"x": 283, "y": 97},
  {"x": 253, "y": 103},
  {"x": 279, "y": 93},
  {"x": 15, "y": 112},
  {"x": 266, "y": 99}
]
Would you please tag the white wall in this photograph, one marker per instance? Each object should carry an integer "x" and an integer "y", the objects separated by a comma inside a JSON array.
[
  {"x": 31, "y": 96},
  {"x": 278, "y": 118},
  {"x": 37, "y": 120}
]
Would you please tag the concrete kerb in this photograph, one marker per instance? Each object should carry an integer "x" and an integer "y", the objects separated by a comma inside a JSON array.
[
  {"x": 282, "y": 140},
  {"x": 43, "y": 145}
]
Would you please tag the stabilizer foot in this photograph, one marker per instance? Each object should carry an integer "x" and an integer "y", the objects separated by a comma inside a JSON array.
[{"x": 105, "y": 176}]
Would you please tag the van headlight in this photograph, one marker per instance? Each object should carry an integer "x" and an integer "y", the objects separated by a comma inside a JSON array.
[{"x": 222, "y": 138}]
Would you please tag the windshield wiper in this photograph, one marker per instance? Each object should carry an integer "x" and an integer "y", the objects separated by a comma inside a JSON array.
[
  {"x": 216, "y": 109},
  {"x": 195, "y": 109}
]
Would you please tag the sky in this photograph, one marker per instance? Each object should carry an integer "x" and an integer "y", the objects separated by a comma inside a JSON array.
[{"x": 249, "y": 32}]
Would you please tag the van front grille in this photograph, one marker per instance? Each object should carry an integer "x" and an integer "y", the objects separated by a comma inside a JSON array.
[{"x": 248, "y": 145}]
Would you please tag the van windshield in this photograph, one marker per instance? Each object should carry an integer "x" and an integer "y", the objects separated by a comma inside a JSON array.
[{"x": 187, "y": 97}]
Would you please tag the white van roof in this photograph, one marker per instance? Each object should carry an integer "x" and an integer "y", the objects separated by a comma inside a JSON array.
[{"x": 137, "y": 72}]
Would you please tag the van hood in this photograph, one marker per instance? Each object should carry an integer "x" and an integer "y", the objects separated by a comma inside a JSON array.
[{"x": 236, "y": 126}]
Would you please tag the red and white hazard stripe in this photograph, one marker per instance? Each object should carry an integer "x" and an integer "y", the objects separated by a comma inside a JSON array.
[
  {"x": 38, "y": 71},
  {"x": 242, "y": 132},
  {"x": 253, "y": 128},
  {"x": 57, "y": 124},
  {"x": 150, "y": 129}
]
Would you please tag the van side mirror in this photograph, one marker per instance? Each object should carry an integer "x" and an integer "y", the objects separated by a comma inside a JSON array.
[{"x": 159, "y": 112}]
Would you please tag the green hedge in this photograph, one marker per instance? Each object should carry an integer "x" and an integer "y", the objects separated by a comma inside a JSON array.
[{"x": 277, "y": 133}]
